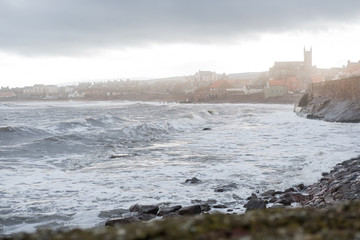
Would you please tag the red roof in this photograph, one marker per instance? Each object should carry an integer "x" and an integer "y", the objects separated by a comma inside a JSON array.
[{"x": 220, "y": 84}]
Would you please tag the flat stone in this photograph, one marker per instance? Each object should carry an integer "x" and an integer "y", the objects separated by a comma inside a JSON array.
[{"x": 120, "y": 221}]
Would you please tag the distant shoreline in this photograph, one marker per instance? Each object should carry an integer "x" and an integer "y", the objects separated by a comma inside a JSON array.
[{"x": 249, "y": 99}]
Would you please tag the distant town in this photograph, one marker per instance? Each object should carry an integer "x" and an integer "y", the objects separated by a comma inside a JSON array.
[{"x": 282, "y": 82}]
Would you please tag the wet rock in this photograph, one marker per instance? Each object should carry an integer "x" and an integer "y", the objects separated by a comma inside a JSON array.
[
  {"x": 301, "y": 187},
  {"x": 206, "y": 129},
  {"x": 226, "y": 188},
  {"x": 168, "y": 210},
  {"x": 289, "y": 190},
  {"x": 150, "y": 209},
  {"x": 253, "y": 196},
  {"x": 219, "y": 206},
  {"x": 268, "y": 193},
  {"x": 146, "y": 217},
  {"x": 190, "y": 210},
  {"x": 209, "y": 201},
  {"x": 254, "y": 204},
  {"x": 193, "y": 180},
  {"x": 205, "y": 207},
  {"x": 237, "y": 198}
]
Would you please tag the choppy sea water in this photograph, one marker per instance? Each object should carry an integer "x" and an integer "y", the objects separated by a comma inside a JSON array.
[{"x": 56, "y": 171}]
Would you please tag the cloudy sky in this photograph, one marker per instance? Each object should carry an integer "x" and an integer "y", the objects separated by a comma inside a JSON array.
[{"x": 59, "y": 41}]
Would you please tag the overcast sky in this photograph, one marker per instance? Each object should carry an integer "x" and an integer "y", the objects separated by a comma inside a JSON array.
[{"x": 56, "y": 41}]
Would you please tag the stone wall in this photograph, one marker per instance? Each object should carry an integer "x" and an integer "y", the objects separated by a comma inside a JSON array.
[{"x": 344, "y": 89}]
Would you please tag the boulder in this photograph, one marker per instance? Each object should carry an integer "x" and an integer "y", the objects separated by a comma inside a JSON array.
[
  {"x": 149, "y": 209},
  {"x": 121, "y": 221},
  {"x": 226, "y": 188},
  {"x": 254, "y": 204},
  {"x": 168, "y": 210},
  {"x": 190, "y": 210},
  {"x": 193, "y": 180},
  {"x": 219, "y": 206}
]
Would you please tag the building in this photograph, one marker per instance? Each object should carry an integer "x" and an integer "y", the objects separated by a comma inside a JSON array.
[
  {"x": 352, "y": 69},
  {"x": 295, "y": 75},
  {"x": 217, "y": 90}
]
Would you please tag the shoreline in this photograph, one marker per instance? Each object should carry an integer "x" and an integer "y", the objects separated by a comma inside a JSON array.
[
  {"x": 249, "y": 99},
  {"x": 317, "y": 217}
]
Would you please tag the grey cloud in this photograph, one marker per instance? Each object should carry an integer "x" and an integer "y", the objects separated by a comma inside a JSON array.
[{"x": 78, "y": 26}]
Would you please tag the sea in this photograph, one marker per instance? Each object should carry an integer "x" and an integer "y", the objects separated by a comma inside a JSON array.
[{"x": 66, "y": 165}]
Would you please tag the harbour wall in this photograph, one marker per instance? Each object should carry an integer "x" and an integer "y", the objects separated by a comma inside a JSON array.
[{"x": 343, "y": 89}]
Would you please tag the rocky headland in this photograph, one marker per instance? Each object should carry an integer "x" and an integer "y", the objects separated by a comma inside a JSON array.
[{"x": 334, "y": 101}]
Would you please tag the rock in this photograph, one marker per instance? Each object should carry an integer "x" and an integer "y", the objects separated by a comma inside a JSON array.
[
  {"x": 253, "y": 196},
  {"x": 301, "y": 187},
  {"x": 209, "y": 201},
  {"x": 150, "y": 209},
  {"x": 289, "y": 198},
  {"x": 254, "y": 204},
  {"x": 206, "y": 129},
  {"x": 332, "y": 110},
  {"x": 268, "y": 193},
  {"x": 205, "y": 207},
  {"x": 219, "y": 206},
  {"x": 168, "y": 210},
  {"x": 226, "y": 188},
  {"x": 236, "y": 197},
  {"x": 190, "y": 210},
  {"x": 120, "y": 155},
  {"x": 146, "y": 217},
  {"x": 193, "y": 180},
  {"x": 289, "y": 190}
]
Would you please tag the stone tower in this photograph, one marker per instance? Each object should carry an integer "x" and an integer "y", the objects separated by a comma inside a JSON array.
[{"x": 308, "y": 58}]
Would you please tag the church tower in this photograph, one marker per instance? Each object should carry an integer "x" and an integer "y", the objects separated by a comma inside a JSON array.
[{"x": 308, "y": 58}]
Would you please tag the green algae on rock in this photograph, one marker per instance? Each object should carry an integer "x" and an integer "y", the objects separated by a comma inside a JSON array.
[{"x": 337, "y": 222}]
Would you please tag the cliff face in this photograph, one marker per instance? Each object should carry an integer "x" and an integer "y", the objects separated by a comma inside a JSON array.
[{"x": 335, "y": 101}]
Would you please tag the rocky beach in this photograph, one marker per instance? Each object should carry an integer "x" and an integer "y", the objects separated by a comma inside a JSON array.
[{"x": 327, "y": 209}]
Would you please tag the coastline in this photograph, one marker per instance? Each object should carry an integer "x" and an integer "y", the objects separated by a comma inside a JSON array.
[
  {"x": 248, "y": 99},
  {"x": 330, "y": 209}
]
